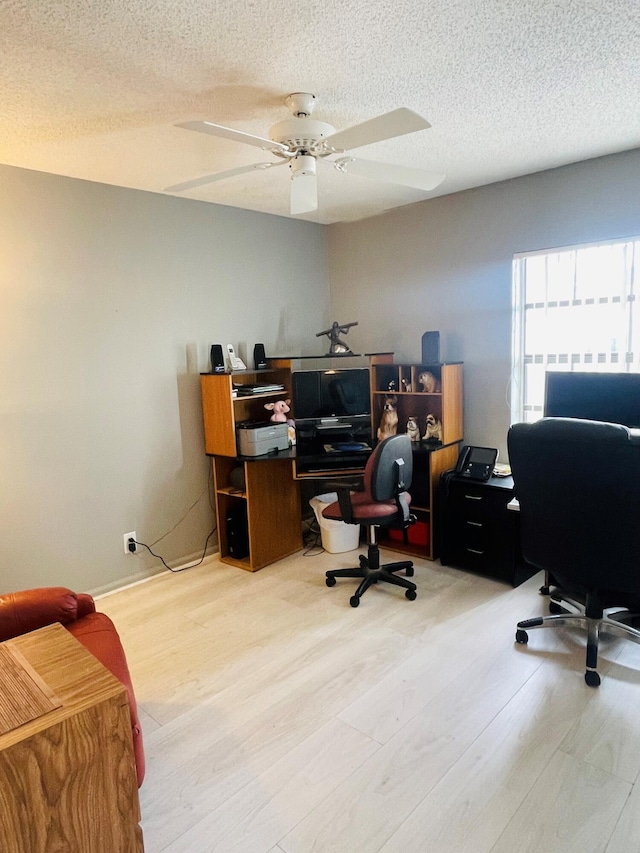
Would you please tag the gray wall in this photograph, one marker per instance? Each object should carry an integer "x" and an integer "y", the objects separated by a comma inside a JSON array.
[
  {"x": 110, "y": 301},
  {"x": 112, "y": 297},
  {"x": 446, "y": 264}
]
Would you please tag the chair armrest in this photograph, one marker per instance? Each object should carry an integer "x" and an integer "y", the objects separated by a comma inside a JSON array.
[
  {"x": 343, "y": 489},
  {"x": 86, "y": 605},
  {"x": 30, "y": 609}
]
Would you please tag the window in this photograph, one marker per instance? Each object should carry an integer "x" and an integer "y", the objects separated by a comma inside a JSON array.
[{"x": 574, "y": 308}]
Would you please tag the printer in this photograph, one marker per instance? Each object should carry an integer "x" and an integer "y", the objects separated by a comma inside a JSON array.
[{"x": 258, "y": 438}]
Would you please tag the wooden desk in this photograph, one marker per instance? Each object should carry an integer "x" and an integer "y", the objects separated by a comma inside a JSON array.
[{"x": 67, "y": 777}]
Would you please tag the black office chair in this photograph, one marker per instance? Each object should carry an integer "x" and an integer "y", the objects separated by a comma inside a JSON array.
[
  {"x": 578, "y": 485},
  {"x": 383, "y": 502}
]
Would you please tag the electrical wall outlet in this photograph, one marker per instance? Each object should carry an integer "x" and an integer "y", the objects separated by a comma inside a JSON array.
[{"x": 127, "y": 548}]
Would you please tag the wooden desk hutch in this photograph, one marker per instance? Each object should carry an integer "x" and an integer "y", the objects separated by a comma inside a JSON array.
[{"x": 270, "y": 488}]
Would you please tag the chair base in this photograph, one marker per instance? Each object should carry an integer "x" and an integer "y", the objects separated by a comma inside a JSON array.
[
  {"x": 567, "y": 611},
  {"x": 370, "y": 571}
]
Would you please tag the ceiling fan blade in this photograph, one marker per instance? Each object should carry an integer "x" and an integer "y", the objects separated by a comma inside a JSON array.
[
  {"x": 235, "y": 135},
  {"x": 304, "y": 194},
  {"x": 386, "y": 126},
  {"x": 403, "y": 175},
  {"x": 220, "y": 176}
]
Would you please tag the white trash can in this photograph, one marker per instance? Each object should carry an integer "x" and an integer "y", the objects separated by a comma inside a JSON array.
[{"x": 337, "y": 536}]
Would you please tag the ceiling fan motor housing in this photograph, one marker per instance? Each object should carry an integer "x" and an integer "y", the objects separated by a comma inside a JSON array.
[{"x": 301, "y": 134}]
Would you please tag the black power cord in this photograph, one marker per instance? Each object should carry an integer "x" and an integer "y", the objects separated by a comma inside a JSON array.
[
  {"x": 182, "y": 568},
  {"x": 135, "y": 543}
]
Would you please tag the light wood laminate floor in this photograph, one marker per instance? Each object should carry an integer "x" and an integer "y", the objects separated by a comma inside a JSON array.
[{"x": 278, "y": 719}]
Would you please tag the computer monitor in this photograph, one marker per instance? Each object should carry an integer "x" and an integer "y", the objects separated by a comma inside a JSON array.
[
  {"x": 610, "y": 397},
  {"x": 339, "y": 393}
]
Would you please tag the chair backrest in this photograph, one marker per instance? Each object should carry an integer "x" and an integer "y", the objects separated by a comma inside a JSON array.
[
  {"x": 578, "y": 485},
  {"x": 389, "y": 468}
]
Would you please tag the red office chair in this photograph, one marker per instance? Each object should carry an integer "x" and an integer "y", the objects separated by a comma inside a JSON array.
[{"x": 384, "y": 502}]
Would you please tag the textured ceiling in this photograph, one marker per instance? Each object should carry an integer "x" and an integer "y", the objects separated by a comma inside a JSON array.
[{"x": 93, "y": 89}]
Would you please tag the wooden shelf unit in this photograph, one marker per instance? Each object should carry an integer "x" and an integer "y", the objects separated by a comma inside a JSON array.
[
  {"x": 271, "y": 487},
  {"x": 430, "y": 458},
  {"x": 222, "y": 411},
  {"x": 272, "y": 499},
  {"x": 270, "y": 493}
]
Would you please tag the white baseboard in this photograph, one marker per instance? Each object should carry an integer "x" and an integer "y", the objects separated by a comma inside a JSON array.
[{"x": 143, "y": 576}]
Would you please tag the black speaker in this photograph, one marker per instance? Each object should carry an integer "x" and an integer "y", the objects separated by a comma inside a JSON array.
[
  {"x": 431, "y": 348},
  {"x": 259, "y": 358},
  {"x": 217, "y": 359}
]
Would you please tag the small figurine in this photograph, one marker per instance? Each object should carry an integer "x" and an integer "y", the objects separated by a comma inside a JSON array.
[
  {"x": 389, "y": 420},
  {"x": 413, "y": 430},
  {"x": 429, "y": 382},
  {"x": 279, "y": 410},
  {"x": 433, "y": 430},
  {"x": 406, "y": 386},
  {"x": 392, "y": 385},
  {"x": 337, "y": 347}
]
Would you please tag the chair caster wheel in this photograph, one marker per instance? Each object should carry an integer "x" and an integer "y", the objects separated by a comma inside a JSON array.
[
  {"x": 411, "y": 594},
  {"x": 409, "y": 572},
  {"x": 330, "y": 581},
  {"x": 354, "y": 601},
  {"x": 522, "y": 637},
  {"x": 363, "y": 561},
  {"x": 592, "y": 678}
]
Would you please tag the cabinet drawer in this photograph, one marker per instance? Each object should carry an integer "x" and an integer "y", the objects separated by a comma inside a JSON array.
[{"x": 471, "y": 502}]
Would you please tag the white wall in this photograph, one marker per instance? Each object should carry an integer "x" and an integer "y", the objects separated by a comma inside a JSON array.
[
  {"x": 110, "y": 301},
  {"x": 445, "y": 264}
]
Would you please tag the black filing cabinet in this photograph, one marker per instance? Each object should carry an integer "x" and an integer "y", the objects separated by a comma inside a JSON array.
[{"x": 478, "y": 532}]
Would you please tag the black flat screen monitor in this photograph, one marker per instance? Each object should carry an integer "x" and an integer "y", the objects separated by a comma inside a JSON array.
[
  {"x": 610, "y": 397},
  {"x": 339, "y": 393}
]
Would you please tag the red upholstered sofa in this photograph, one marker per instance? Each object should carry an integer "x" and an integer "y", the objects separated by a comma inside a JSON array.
[{"x": 21, "y": 612}]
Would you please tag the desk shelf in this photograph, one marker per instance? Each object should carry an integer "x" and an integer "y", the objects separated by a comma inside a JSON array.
[
  {"x": 267, "y": 511},
  {"x": 428, "y": 465}
]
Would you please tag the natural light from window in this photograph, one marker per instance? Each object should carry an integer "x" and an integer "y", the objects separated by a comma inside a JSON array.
[{"x": 574, "y": 308}]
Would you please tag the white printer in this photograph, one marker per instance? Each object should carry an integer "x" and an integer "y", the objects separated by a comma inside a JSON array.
[{"x": 256, "y": 439}]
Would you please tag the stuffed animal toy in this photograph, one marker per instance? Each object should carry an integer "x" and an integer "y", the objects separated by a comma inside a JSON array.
[
  {"x": 279, "y": 409},
  {"x": 413, "y": 430},
  {"x": 279, "y": 416},
  {"x": 389, "y": 420},
  {"x": 429, "y": 382},
  {"x": 433, "y": 430}
]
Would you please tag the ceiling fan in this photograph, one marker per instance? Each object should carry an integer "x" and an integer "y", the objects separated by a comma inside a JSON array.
[{"x": 302, "y": 142}]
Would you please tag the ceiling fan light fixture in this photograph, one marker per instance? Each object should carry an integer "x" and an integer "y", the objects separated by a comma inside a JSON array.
[{"x": 303, "y": 165}]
